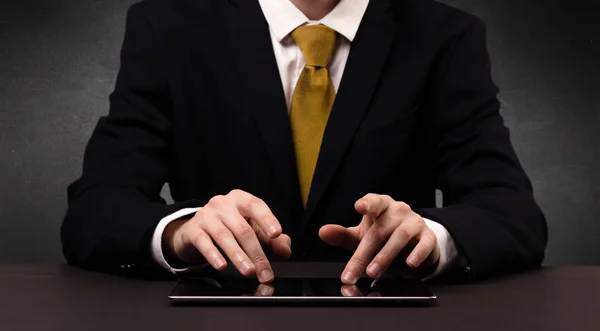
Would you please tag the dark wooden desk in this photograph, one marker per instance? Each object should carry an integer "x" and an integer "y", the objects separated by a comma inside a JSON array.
[{"x": 62, "y": 298}]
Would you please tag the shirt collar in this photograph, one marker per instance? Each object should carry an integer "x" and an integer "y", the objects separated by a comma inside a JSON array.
[{"x": 283, "y": 17}]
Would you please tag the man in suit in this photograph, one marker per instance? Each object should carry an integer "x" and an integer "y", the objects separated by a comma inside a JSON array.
[{"x": 324, "y": 123}]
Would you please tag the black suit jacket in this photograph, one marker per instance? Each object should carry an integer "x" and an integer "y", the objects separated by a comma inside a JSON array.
[{"x": 198, "y": 103}]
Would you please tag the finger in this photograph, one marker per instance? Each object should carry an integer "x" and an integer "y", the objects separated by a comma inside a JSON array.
[
  {"x": 247, "y": 239},
  {"x": 422, "y": 250},
  {"x": 281, "y": 246},
  {"x": 395, "y": 244},
  {"x": 257, "y": 210},
  {"x": 366, "y": 223},
  {"x": 373, "y": 204},
  {"x": 369, "y": 245},
  {"x": 223, "y": 237},
  {"x": 260, "y": 234},
  {"x": 337, "y": 235},
  {"x": 204, "y": 244}
]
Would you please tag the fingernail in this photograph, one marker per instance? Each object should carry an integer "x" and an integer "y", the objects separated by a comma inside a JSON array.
[
  {"x": 412, "y": 262},
  {"x": 349, "y": 277},
  {"x": 219, "y": 262},
  {"x": 246, "y": 265},
  {"x": 272, "y": 231},
  {"x": 266, "y": 275},
  {"x": 374, "y": 269}
]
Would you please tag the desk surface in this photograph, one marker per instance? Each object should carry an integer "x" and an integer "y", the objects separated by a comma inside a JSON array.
[{"x": 561, "y": 298}]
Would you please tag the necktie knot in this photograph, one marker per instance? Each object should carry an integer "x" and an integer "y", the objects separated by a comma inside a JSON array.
[{"x": 316, "y": 42}]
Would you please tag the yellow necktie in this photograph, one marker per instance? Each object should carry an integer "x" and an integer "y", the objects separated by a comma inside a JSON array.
[{"x": 312, "y": 99}]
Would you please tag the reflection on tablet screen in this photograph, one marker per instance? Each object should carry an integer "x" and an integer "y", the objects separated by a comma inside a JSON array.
[{"x": 298, "y": 287}]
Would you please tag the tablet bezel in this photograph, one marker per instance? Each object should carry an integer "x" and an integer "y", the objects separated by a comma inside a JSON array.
[{"x": 177, "y": 299}]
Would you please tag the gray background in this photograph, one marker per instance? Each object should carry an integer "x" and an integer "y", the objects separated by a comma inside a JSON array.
[{"x": 58, "y": 60}]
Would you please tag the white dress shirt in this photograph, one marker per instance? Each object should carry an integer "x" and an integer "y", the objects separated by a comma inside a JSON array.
[{"x": 283, "y": 17}]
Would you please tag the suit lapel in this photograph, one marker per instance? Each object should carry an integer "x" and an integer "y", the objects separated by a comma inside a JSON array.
[
  {"x": 368, "y": 55},
  {"x": 252, "y": 50}
]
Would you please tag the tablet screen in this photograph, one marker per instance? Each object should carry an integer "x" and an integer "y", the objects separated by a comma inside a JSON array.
[{"x": 298, "y": 288}]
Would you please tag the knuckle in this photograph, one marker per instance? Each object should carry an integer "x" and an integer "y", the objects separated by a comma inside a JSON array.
[
  {"x": 222, "y": 234},
  {"x": 428, "y": 233},
  {"x": 254, "y": 205},
  {"x": 423, "y": 228},
  {"x": 196, "y": 238},
  {"x": 370, "y": 197},
  {"x": 239, "y": 195},
  {"x": 235, "y": 192},
  {"x": 201, "y": 212},
  {"x": 360, "y": 261},
  {"x": 244, "y": 230},
  {"x": 376, "y": 236},
  {"x": 395, "y": 208},
  {"x": 244, "y": 202},
  {"x": 259, "y": 259},
  {"x": 402, "y": 234},
  {"x": 217, "y": 201},
  {"x": 400, "y": 207},
  {"x": 416, "y": 226},
  {"x": 257, "y": 202},
  {"x": 403, "y": 205},
  {"x": 203, "y": 216}
]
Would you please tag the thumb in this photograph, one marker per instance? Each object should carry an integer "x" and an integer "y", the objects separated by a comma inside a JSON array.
[{"x": 337, "y": 235}]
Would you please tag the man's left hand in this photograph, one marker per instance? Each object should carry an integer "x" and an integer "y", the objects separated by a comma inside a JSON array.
[{"x": 386, "y": 229}]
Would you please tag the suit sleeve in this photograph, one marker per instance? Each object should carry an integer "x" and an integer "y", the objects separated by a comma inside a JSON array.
[
  {"x": 114, "y": 207},
  {"x": 489, "y": 208}
]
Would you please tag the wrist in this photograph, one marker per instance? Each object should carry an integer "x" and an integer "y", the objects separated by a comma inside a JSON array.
[
  {"x": 169, "y": 235},
  {"x": 173, "y": 247}
]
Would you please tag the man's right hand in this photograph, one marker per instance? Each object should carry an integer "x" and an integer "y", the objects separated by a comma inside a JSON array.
[{"x": 239, "y": 224}]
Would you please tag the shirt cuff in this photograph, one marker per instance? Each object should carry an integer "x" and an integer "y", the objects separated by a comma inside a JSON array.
[
  {"x": 448, "y": 250},
  {"x": 156, "y": 243}
]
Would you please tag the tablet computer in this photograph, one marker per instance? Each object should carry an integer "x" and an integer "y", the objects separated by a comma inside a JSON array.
[{"x": 303, "y": 291}]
